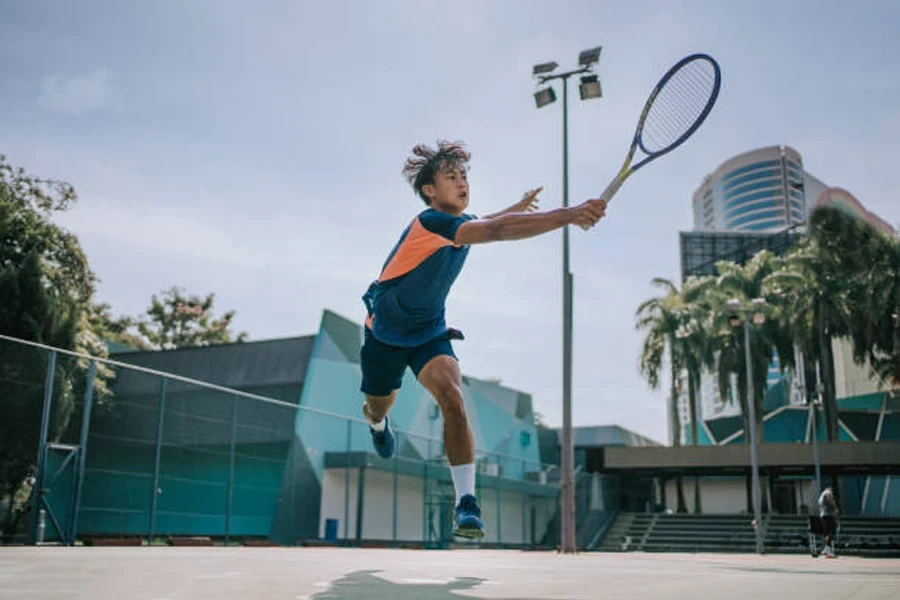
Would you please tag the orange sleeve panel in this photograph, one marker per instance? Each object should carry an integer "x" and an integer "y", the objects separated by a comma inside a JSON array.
[{"x": 418, "y": 245}]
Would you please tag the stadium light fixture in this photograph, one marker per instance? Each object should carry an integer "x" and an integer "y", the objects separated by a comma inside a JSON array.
[
  {"x": 590, "y": 87},
  {"x": 543, "y": 68},
  {"x": 588, "y": 57},
  {"x": 544, "y": 97}
]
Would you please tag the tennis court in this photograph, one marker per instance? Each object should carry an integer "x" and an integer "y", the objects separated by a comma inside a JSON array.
[{"x": 169, "y": 573}]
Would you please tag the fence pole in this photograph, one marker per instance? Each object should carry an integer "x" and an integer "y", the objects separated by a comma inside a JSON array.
[
  {"x": 159, "y": 432},
  {"x": 232, "y": 442},
  {"x": 394, "y": 521},
  {"x": 37, "y": 492},
  {"x": 82, "y": 447},
  {"x": 347, "y": 484}
]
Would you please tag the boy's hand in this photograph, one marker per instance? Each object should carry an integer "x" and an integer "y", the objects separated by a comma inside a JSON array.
[
  {"x": 587, "y": 214},
  {"x": 529, "y": 202}
]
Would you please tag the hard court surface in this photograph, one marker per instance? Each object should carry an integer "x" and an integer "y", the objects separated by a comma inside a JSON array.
[{"x": 170, "y": 573}]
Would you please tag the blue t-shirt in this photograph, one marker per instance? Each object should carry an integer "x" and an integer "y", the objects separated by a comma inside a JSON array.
[{"x": 405, "y": 305}]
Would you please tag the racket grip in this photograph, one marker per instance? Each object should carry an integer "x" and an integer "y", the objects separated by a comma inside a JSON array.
[{"x": 609, "y": 192}]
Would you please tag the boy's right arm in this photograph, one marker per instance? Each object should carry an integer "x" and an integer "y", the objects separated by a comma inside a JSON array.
[{"x": 517, "y": 226}]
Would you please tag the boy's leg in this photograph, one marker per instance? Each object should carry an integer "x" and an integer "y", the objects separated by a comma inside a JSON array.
[
  {"x": 376, "y": 408},
  {"x": 440, "y": 375},
  {"x": 382, "y": 374}
]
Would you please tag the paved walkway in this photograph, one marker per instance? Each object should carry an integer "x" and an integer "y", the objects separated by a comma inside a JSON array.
[{"x": 165, "y": 573}]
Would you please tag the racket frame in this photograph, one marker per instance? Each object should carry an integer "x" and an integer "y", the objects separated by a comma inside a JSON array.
[{"x": 627, "y": 168}]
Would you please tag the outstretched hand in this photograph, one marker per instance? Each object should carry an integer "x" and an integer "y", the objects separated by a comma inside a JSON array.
[
  {"x": 529, "y": 202},
  {"x": 587, "y": 214}
]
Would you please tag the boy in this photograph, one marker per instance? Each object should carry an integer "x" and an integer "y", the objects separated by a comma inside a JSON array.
[{"x": 405, "y": 323}]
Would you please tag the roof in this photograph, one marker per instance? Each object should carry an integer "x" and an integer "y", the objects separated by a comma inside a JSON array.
[
  {"x": 607, "y": 435},
  {"x": 237, "y": 365}
]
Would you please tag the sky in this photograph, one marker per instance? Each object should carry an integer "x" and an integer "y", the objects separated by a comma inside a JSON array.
[{"x": 254, "y": 150}]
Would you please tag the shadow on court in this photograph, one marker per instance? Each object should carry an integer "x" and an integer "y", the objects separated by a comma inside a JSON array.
[{"x": 366, "y": 585}]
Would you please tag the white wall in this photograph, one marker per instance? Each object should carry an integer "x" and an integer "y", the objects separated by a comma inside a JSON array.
[
  {"x": 723, "y": 496},
  {"x": 515, "y": 520},
  {"x": 851, "y": 379},
  {"x": 332, "y": 505},
  {"x": 717, "y": 496}
]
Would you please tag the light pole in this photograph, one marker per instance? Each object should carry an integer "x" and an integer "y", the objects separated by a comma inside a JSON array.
[
  {"x": 739, "y": 315},
  {"x": 815, "y": 404},
  {"x": 589, "y": 88},
  {"x": 813, "y": 401}
]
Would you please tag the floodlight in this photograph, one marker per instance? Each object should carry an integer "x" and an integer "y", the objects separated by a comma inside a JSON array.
[
  {"x": 588, "y": 57},
  {"x": 733, "y": 304},
  {"x": 544, "y": 97},
  {"x": 542, "y": 68},
  {"x": 590, "y": 87}
]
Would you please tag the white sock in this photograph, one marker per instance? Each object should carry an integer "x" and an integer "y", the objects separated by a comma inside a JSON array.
[
  {"x": 463, "y": 479},
  {"x": 379, "y": 426}
]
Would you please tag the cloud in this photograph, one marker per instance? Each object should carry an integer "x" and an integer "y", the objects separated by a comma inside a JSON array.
[{"x": 78, "y": 94}]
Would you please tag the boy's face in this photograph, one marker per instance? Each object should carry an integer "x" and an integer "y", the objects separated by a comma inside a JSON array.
[{"x": 450, "y": 191}]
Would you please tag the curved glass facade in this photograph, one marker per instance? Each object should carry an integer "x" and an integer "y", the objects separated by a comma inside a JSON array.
[{"x": 756, "y": 191}]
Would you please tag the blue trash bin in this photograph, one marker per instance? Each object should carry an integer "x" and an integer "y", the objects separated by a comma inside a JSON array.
[{"x": 331, "y": 530}]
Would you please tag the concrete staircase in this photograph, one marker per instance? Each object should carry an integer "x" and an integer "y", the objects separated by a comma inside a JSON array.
[{"x": 865, "y": 536}]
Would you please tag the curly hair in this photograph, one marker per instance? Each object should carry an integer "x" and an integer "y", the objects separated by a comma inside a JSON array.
[{"x": 421, "y": 168}]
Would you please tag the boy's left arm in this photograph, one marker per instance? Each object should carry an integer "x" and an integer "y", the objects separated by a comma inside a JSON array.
[{"x": 528, "y": 203}]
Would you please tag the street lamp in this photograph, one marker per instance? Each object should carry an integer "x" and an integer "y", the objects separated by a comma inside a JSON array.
[
  {"x": 589, "y": 88},
  {"x": 813, "y": 401},
  {"x": 739, "y": 315}
]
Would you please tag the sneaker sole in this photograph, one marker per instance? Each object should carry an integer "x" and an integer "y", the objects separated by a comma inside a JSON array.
[{"x": 469, "y": 533}]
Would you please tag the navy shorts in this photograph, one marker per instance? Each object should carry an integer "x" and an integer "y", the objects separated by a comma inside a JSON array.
[{"x": 383, "y": 365}]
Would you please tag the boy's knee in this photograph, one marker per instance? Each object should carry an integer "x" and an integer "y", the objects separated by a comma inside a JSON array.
[{"x": 451, "y": 402}]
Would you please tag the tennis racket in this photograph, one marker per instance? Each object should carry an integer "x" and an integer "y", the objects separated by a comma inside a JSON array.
[{"x": 676, "y": 108}]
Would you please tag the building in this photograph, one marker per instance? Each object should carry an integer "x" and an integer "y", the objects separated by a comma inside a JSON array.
[
  {"x": 757, "y": 200},
  {"x": 760, "y": 200},
  {"x": 265, "y": 440},
  {"x": 760, "y": 190}
]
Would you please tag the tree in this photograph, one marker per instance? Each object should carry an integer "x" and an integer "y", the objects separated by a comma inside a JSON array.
[
  {"x": 178, "y": 320},
  {"x": 693, "y": 339},
  {"x": 867, "y": 263},
  {"x": 26, "y": 205},
  {"x": 772, "y": 338},
  {"x": 117, "y": 329},
  {"x": 661, "y": 318},
  {"x": 46, "y": 289},
  {"x": 726, "y": 356}
]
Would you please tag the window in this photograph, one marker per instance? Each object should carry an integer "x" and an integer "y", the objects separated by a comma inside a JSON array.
[
  {"x": 757, "y": 185},
  {"x": 736, "y": 205},
  {"x": 752, "y": 177},
  {"x": 750, "y": 167},
  {"x": 757, "y": 216},
  {"x": 764, "y": 225}
]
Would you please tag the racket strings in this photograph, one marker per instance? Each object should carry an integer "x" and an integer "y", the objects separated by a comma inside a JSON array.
[{"x": 678, "y": 105}]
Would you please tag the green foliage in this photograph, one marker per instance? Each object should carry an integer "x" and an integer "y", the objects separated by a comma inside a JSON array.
[
  {"x": 842, "y": 282},
  {"x": 177, "y": 320},
  {"x": 47, "y": 296},
  {"x": 45, "y": 293}
]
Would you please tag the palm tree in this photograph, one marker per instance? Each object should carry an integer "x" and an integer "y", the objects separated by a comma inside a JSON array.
[
  {"x": 838, "y": 283},
  {"x": 696, "y": 351},
  {"x": 772, "y": 337},
  {"x": 727, "y": 354},
  {"x": 661, "y": 318},
  {"x": 870, "y": 267}
]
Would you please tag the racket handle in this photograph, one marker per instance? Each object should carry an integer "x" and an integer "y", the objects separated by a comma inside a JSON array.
[{"x": 610, "y": 191}]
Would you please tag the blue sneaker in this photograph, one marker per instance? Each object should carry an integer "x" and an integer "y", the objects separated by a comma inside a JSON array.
[
  {"x": 468, "y": 518},
  {"x": 384, "y": 441}
]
